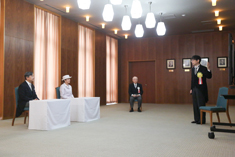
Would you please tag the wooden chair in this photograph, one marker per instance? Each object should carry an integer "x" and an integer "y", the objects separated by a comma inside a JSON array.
[
  {"x": 26, "y": 109},
  {"x": 57, "y": 89},
  {"x": 221, "y": 106}
]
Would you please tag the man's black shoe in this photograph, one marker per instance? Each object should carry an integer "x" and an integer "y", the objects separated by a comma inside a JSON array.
[
  {"x": 193, "y": 122},
  {"x": 139, "y": 110},
  {"x": 132, "y": 110}
]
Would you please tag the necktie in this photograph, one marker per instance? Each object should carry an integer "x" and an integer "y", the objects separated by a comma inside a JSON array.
[
  {"x": 195, "y": 70},
  {"x": 135, "y": 85}
]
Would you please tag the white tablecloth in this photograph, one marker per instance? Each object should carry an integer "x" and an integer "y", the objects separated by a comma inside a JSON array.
[
  {"x": 85, "y": 109},
  {"x": 49, "y": 114}
]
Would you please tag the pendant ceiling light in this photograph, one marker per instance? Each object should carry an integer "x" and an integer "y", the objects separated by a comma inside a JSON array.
[
  {"x": 136, "y": 9},
  {"x": 126, "y": 21},
  {"x": 150, "y": 21},
  {"x": 108, "y": 13},
  {"x": 84, "y": 4},
  {"x": 161, "y": 28},
  {"x": 116, "y": 2},
  {"x": 139, "y": 31}
]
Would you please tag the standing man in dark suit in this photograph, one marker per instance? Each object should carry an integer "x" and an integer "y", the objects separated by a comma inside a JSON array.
[
  {"x": 135, "y": 92},
  {"x": 199, "y": 87},
  {"x": 26, "y": 93}
]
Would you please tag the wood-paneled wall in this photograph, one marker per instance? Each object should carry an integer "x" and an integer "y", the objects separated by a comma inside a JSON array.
[
  {"x": 2, "y": 23},
  {"x": 19, "y": 44},
  {"x": 173, "y": 87},
  {"x": 69, "y": 51},
  {"x": 100, "y": 66}
]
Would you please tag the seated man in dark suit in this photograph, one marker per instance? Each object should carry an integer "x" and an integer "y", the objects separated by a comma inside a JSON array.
[
  {"x": 26, "y": 93},
  {"x": 135, "y": 92}
]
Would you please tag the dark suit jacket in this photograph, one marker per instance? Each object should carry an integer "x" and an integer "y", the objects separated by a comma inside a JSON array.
[
  {"x": 25, "y": 95},
  {"x": 203, "y": 87},
  {"x": 133, "y": 90}
]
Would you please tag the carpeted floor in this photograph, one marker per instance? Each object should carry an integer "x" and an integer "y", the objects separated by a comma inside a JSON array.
[{"x": 159, "y": 131}]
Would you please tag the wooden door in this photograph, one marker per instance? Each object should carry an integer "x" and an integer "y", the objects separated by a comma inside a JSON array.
[{"x": 145, "y": 71}]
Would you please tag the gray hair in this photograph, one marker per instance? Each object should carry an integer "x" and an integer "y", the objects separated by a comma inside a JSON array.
[
  {"x": 27, "y": 74},
  {"x": 134, "y": 77}
]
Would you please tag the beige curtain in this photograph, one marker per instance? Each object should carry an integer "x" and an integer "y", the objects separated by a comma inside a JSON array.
[
  {"x": 46, "y": 53},
  {"x": 85, "y": 62},
  {"x": 111, "y": 70}
]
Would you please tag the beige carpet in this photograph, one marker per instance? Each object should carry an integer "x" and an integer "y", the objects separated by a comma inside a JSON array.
[{"x": 159, "y": 131}]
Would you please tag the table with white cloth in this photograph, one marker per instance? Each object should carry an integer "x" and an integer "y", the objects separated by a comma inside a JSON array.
[
  {"x": 85, "y": 109},
  {"x": 49, "y": 114}
]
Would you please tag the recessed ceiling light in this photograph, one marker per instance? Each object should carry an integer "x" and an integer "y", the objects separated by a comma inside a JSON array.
[
  {"x": 126, "y": 36},
  {"x": 67, "y": 9},
  {"x": 218, "y": 21},
  {"x": 183, "y": 15},
  {"x": 87, "y": 18},
  {"x": 103, "y": 25},
  {"x": 115, "y": 31},
  {"x": 217, "y": 13},
  {"x": 213, "y": 2},
  {"x": 220, "y": 28}
]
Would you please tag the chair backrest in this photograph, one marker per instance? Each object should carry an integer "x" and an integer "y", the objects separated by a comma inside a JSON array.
[
  {"x": 221, "y": 101},
  {"x": 16, "y": 96},
  {"x": 57, "y": 92}
]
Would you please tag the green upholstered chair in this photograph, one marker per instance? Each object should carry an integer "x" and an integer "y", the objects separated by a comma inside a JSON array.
[
  {"x": 221, "y": 106},
  {"x": 57, "y": 92},
  {"x": 26, "y": 109}
]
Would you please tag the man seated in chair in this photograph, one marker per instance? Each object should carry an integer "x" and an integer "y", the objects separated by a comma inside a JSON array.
[
  {"x": 135, "y": 92},
  {"x": 26, "y": 93}
]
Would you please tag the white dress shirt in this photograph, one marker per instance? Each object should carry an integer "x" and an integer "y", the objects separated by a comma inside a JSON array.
[
  {"x": 66, "y": 91},
  {"x": 30, "y": 85}
]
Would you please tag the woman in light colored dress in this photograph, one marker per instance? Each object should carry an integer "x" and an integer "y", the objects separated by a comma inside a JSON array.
[{"x": 65, "y": 88}]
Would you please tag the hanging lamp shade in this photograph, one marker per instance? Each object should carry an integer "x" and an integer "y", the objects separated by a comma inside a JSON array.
[
  {"x": 139, "y": 31},
  {"x": 126, "y": 23},
  {"x": 116, "y": 2},
  {"x": 150, "y": 21},
  {"x": 161, "y": 29},
  {"x": 84, "y": 4},
  {"x": 136, "y": 9},
  {"x": 108, "y": 13}
]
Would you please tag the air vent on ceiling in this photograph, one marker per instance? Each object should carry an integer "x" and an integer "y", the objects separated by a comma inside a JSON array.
[
  {"x": 202, "y": 31},
  {"x": 55, "y": 8},
  {"x": 208, "y": 22},
  {"x": 169, "y": 16}
]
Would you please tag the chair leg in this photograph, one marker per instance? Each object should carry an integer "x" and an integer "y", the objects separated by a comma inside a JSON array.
[
  {"x": 228, "y": 117},
  {"x": 217, "y": 113},
  {"x": 25, "y": 117},
  {"x": 201, "y": 112},
  {"x": 13, "y": 120},
  {"x": 211, "y": 118}
]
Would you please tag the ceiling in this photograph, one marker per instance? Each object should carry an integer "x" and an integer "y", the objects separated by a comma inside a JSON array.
[{"x": 199, "y": 15}]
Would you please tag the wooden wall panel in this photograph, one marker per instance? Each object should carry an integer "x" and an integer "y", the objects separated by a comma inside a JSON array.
[
  {"x": 19, "y": 41},
  {"x": 174, "y": 87},
  {"x": 69, "y": 51},
  {"x": 100, "y": 66},
  {"x": 2, "y": 24}
]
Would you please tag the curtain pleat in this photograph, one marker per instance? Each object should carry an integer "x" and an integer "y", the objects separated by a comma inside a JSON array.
[
  {"x": 46, "y": 54},
  {"x": 111, "y": 70},
  {"x": 85, "y": 62}
]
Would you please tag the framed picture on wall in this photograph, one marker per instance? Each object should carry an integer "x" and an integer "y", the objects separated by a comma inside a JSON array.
[
  {"x": 222, "y": 62},
  {"x": 186, "y": 62},
  {"x": 170, "y": 63},
  {"x": 204, "y": 61}
]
